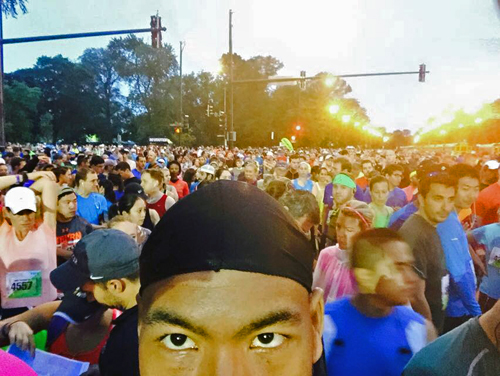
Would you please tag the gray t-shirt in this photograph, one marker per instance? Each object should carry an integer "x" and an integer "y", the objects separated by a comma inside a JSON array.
[
  {"x": 430, "y": 264},
  {"x": 465, "y": 351}
]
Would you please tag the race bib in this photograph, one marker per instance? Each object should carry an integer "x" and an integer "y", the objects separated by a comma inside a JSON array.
[
  {"x": 445, "y": 286},
  {"x": 25, "y": 284},
  {"x": 495, "y": 258}
]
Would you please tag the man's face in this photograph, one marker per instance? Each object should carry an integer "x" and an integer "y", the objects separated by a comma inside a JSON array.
[
  {"x": 98, "y": 168},
  {"x": 390, "y": 157},
  {"x": 336, "y": 168},
  {"x": 395, "y": 178},
  {"x": 380, "y": 193},
  {"x": 294, "y": 164},
  {"x": 3, "y": 170},
  {"x": 250, "y": 173},
  {"x": 438, "y": 203},
  {"x": 342, "y": 194},
  {"x": 124, "y": 174},
  {"x": 151, "y": 156},
  {"x": 149, "y": 184},
  {"x": 102, "y": 294},
  {"x": 91, "y": 184},
  {"x": 399, "y": 287},
  {"x": 367, "y": 169},
  {"x": 214, "y": 323},
  {"x": 66, "y": 206},
  {"x": 467, "y": 192},
  {"x": 141, "y": 163}
]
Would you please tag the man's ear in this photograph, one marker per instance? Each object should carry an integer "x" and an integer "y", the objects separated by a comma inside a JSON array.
[
  {"x": 116, "y": 286},
  {"x": 317, "y": 316}
]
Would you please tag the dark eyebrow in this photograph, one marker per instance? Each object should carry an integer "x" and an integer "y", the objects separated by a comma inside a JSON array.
[
  {"x": 268, "y": 320},
  {"x": 160, "y": 316}
]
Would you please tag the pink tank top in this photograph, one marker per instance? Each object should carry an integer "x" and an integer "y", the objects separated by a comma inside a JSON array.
[
  {"x": 25, "y": 267},
  {"x": 333, "y": 276}
]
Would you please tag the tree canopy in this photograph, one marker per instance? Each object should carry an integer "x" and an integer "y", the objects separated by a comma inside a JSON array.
[{"x": 132, "y": 90}]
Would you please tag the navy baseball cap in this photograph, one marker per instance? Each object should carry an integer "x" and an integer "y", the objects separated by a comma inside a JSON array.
[
  {"x": 100, "y": 256},
  {"x": 137, "y": 189}
]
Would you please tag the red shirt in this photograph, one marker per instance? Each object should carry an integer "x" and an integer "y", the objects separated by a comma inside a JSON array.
[
  {"x": 159, "y": 206},
  {"x": 181, "y": 187},
  {"x": 488, "y": 203},
  {"x": 60, "y": 346}
]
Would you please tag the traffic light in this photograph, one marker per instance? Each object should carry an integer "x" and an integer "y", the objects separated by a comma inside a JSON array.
[
  {"x": 178, "y": 130},
  {"x": 156, "y": 31},
  {"x": 421, "y": 73}
]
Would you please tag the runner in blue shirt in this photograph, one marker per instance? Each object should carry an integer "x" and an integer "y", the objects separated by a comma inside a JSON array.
[
  {"x": 462, "y": 303},
  {"x": 92, "y": 206},
  {"x": 373, "y": 333}
]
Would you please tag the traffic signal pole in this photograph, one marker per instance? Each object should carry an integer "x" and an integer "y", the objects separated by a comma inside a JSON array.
[
  {"x": 231, "y": 81},
  {"x": 303, "y": 79},
  {"x": 48, "y": 38}
]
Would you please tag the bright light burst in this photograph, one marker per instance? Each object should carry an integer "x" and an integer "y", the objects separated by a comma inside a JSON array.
[
  {"x": 334, "y": 108},
  {"x": 346, "y": 118},
  {"x": 330, "y": 81}
]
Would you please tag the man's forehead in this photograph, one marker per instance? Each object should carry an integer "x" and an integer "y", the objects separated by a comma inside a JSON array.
[{"x": 228, "y": 286}]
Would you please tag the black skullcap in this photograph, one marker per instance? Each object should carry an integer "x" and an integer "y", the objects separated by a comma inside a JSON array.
[{"x": 227, "y": 225}]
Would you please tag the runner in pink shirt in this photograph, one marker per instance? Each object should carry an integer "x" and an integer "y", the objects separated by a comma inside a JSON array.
[{"x": 332, "y": 273}]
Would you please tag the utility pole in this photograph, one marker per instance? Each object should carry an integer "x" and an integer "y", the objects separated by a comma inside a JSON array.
[
  {"x": 231, "y": 78},
  {"x": 2, "y": 114},
  {"x": 182, "y": 45},
  {"x": 225, "y": 119}
]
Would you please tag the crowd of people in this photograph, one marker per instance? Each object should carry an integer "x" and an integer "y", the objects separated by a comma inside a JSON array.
[{"x": 159, "y": 260}]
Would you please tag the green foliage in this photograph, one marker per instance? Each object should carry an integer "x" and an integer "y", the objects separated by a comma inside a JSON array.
[
  {"x": 21, "y": 104},
  {"x": 133, "y": 90},
  {"x": 12, "y": 7}
]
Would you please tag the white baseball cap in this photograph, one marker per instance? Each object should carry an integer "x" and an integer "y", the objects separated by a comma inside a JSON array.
[
  {"x": 492, "y": 165},
  {"x": 2, "y": 161},
  {"x": 209, "y": 169},
  {"x": 20, "y": 198}
]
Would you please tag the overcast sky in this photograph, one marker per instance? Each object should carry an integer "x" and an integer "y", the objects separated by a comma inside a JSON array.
[{"x": 457, "y": 39}]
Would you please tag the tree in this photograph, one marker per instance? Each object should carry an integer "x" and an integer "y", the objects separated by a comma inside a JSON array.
[
  {"x": 151, "y": 77},
  {"x": 21, "y": 104},
  {"x": 12, "y": 7},
  {"x": 100, "y": 64},
  {"x": 67, "y": 94}
]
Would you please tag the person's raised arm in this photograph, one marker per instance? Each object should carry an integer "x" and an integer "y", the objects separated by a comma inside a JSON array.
[
  {"x": 10, "y": 180},
  {"x": 49, "y": 189}
]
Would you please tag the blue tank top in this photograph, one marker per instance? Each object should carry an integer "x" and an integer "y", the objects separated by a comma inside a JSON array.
[
  {"x": 357, "y": 345},
  {"x": 307, "y": 187}
]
